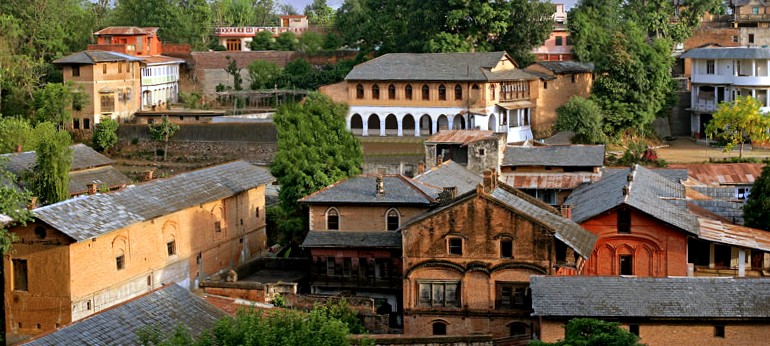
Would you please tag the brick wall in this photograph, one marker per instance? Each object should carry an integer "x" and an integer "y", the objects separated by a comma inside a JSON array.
[
  {"x": 554, "y": 93},
  {"x": 360, "y": 218}
]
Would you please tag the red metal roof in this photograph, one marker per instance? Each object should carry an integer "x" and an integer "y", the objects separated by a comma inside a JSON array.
[
  {"x": 126, "y": 30},
  {"x": 463, "y": 137},
  {"x": 716, "y": 174},
  {"x": 550, "y": 181}
]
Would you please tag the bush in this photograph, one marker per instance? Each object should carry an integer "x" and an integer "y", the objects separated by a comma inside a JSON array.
[
  {"x": 263, "y": 74},
  {"x": 310, "y": 42},
  {"x": 286, "y": 41},
  {"x": 105, "y": 134},
  {"x": 220, "y": 48},
  {"x": 263, "y": 40},
  {"x": 583, "y": 117}
]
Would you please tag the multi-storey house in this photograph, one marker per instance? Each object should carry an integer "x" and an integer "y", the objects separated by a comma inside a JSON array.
[
  {"x": 558, "y": 46},
  {"x": 722, "y": 74},
  {"x": 560, "y": 80},
  {"x": 238, "y": 39},
  {"x": 84, "y": 255},
  {"x": 752, "y": 17}
]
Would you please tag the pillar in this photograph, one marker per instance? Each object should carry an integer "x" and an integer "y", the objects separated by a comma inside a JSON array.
[
  {"x": 741, "y": 263},
  {"x": 365, "y": 129},
  {"x": 382, "y": 127},
  {"x": 400, "y": 126},
  {"x": 434, "y": 123},
  {"x": 417, "y": 128}
]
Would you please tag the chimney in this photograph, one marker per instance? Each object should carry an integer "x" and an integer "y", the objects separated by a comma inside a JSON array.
[
  {"x": 380, "y": 186},
  {"x": 19, "y": 148},
  {"x": 447, "y": 195},
  {"x": 566, "y": 211},
  {"x": 626, "y": 190},
  {"x": 420, "y": 168},
  {"x": 32, "y": 203},
  {"x": 439, "y": 159},
  {"x": 148, "y": 175},
  {"x": 490, "y": 180},
  {"x": 91, "y": 188}
]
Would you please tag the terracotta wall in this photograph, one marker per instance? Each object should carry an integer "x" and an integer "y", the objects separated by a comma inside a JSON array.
[
  {"x": 554, "y": 93},
  {"x": 360, "y": 218},
  {"x": 119, "y": 76}
]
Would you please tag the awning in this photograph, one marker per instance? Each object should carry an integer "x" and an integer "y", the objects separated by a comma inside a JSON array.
[
  {"x": 515, "y": 105},
  {"x": 106, "y": 91}
]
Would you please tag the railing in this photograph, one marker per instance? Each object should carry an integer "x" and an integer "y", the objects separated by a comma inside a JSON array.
[
  {"x": 752, "y": 17},
  {"x": 252, "y": 30},
  {"x": 705, "y": 105}
]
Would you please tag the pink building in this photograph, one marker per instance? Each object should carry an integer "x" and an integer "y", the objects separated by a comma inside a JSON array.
[{"x": 558, "y": 46}]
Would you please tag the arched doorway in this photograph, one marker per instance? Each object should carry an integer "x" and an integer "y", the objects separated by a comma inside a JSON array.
[
  {"x": 407, "y": 125},
  {"x": 458, "y": 123},
  {"x": 391, "y": 125},
  {"x": 356, "y": 124},
  {"x": 443, "y": 123},
  {"x": 426, "y": 125},
  {"x": 492, "y": 125},
  {"x": 374, "y": 125}
]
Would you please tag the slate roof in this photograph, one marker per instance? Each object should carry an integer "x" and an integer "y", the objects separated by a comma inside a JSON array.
[
  {"x": 436, "y": 67},
  {"x": 675, "y": 175},
  {"x": 346, "y": 239},
  {"x": 727, "y": 53},
  {"x": 448, "y": 174},
  {"x": 556, "y": 155},
  {"x": 560, "y": 67},
  {"x": 680, "y": 297},
  {"x": 165, "y": 308},
  {"x": 93, "y": 215},
  {"x": 647, "y": 193},
  {"x": 83, "y": 157},
  {"x": 463, "y": 137},
  {"x": 362, "y": 189},
  {"x": 90, "y": 57},
  {"x": 107, "y": 176}
]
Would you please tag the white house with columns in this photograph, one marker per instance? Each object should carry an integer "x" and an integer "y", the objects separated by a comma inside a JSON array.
[
  {"x": 160, "y": 81},
  {"x": 720, "y": 74}
]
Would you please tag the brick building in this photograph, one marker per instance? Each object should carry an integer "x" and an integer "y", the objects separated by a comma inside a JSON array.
[
  {"x": 661, "y": 311},
  {"x": 84, "y": 255},
  {"x": 467, "y": 263},
  {"x": 560, "y": 80}
]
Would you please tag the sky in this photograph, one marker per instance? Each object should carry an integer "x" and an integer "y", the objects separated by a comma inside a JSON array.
[{"x": 300, "y": 4}]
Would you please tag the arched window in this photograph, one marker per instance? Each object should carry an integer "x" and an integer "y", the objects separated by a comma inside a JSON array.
[
  {"x": 392, "y": 219},
  {"x": 391, "y": 92},
  {"x": 332, "y": 219},
  {"x": 439, "y": 328},
  {"x": 458, "y": 92},
  {"x": 518, "y": 328},
  {"x": 492, "y": 91},
  {"x": 375, "y": 92},
  {"x": 442, "y": 92},
  {"x": 359, "y": 91},
  {"x": 408, "y": 92},
  {"x": 425, "y": 92}
]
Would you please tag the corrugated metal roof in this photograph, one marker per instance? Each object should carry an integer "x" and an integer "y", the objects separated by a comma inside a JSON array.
[
  {"x": 716, "y": 174},
  {"x": 727, "y": 53},
  {"x": 463, "y": 137},
  {"x": 93, "y": 215},
  {"x": 549, "y": 181},
  {"x": 726, "y": 233}
]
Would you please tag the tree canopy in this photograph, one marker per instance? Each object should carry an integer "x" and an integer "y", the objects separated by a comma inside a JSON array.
[
  {"x": 591, "y": 332},
  {"x": 583, "y": 117},
  {"x": 53, "y": 158},
  {"x": 756, "y": 211},
  {"x": 319, "y": 13},
  {"x": 162, "y": 133},
  {"x": 105, "y": 134},
  {"x": 736, "y": 121}
]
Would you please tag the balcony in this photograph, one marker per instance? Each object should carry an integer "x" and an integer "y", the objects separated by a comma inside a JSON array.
[
  {"x": 391, "y": 282},
  {"x": 705, "y": 106},
  {"x": 751, "y": 18}
]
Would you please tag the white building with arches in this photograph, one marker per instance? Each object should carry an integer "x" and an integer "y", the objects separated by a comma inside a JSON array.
[{"x": 160, "y": 81}]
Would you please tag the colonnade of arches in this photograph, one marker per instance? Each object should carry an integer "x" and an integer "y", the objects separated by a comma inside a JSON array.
[{"x": 407, "y": 124}]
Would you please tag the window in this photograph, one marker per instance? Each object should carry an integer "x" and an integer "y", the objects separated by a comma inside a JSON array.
[
  {"x": 719, "y": 331},
  {"x": 347, "y": 264},
  {"x": 363, "y": 267},
  {"x": 332, "y": 219},
  {"x": 375, "y": 92},
  {"x": 149, "y": 280},
  {"x": 392, "y": 220},
  {"x": 455, "y": 246},
  {"x": 359, "y": 91},
  {"x": 624, "y": 220},
  {"x": 481, "y": 152},
  {"x": 86, "y": 123},
  {"x": 76, "y": 123},
  {"x": 331, "y": 264},
  {"x": 120, "y": 262},
  {"x": 569, "y": 40},
  {"x": 558, "y": 40},
  {"x": 755, "y": 10},
  {"x": 439, "y": 328},
  {"x": 171, "y": 247},
  {"x": 128, "y": 94},
  {"x": 458, "y": 92},
  {"x": 492, "y": 94},
  {"x": 40, "y": 232},
  {"x": 634, "y": 329},
  {"x": 20, "y": 275},
  {"x": 408, "y": 92},
  {"x": 233, "y": 45},
  {"x": 518, "y": 328},
  {"x": 742, "y": 193},
  {"x": 506, "y": 248},
  {"x": 513, "y": 295},
  {"x": 120, "y": 67},
  {"x": 545, "y": 84},
  {"x": 710, "y": 67},
  {"x": 751, "y": 38},
  {"x": 75, "y": 70},
  {"x": 439, "y": 294},
  {"x": 108, "y": 103},
  {"x": 391, "y": 92},
  {"x": 104, "y": 68},
  {"x": 217, "y": 226},
  {"x": 442, "y": 92},
  {"x": 425, "y": 92},
  {"x": 256, "y": 211},
  {"x": 626, "y": 265},
  {"x": 573, "y": 78}
]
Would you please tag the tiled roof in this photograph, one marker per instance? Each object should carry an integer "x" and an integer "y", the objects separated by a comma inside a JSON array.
[
  {"x": 90, "y": 57},
  {"x": 382, "y": 239},
  {"x": 363, "y": 190},
  {"x": 681, "y": 297},
  {"x": 647, "y": 193},
  {"x": 448, "y": 174},
  {"x": 716, "y": 174},
  {"x": 560, "y": 67},
  {"x": 676, "y": 175},
  {"x": 557, "y": 155},
  {"x": 93, "y": 215},
  {"x": 463, "y": 137},
  {"x": 125, "y": 30},
  {"x": 560, "y": 138},
  {"x": 103, "y": 176},
  {"x": 727, "y": 53},
  {"x": 436, "y": 67},
  {"x": 83, "y": 157},
  {"x": 164, "y": 309}
]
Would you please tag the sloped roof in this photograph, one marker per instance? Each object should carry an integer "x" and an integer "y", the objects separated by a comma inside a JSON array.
[
  {"x": 107, "y": 176},
  {"x": 347, "y": 239},
  {"x": 126, "y": 30},
  {"x": 83, "y": 157},
  {"x": 680, "y": 297},
  {"x": 549, "y": 181},
  {"x": 162, "y": 59},
  {"x": 727, "y": 53},
  {"x": 556, "y": 155},
  {"x": 718, "y": 231},
  {"x": 463, "y": 137},
  {"x": 448, "y": 174},
  {"x": 362, "y": 189},
  {"x": 436, "y": 67},
  {"x": 647, "y": 192},
  {"x": 560, "y": 67},
  {"x": 93, "y": 215},
  {"x": 90, "y": 57},
  {"x": 716, "y": 174},
  {"x": 165, "y": 309}
]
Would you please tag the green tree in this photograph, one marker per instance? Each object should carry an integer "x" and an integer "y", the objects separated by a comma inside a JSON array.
[
  {"x": 16, "y": 133},
  {"x": 314, "y": 150},
  {"x": 736, "y": 121},
  {"x": 332, "y": 41},
  {"x": 591, "y": 332},
  {"x": 263, "y": 74},
  {"x": 13, "y": 204},
  {"x": 286, "y": 41},
  {"x": 756, "y": 211},
  {"x": 162, "y": 132},
  {"x": 53, "y": 157},
  {"x": 235, "y": 71},
  {"x": 236, "y": 12},
  {"x": 105, "y": 134},
  {"x": 319, "y": 13},
  {"x": 583, "y": 117},
  {"x": 310, "y": 42},
  {"x": 54, "y": 103},
  {"x": 263, "y": 40}
]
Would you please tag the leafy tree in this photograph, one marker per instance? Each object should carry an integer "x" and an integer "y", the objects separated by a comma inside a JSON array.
[
  {"x": 235, "y": 71},
  {"x": 756, "y": 211},
  {"x": 288, "y": 9},
  {"x": 162, "y": 132},
  {"x": 13, "y": 203},
  {"x": 263, "y": 40},
  {"x": 314, "y": 149},
  {"x": 263, "y": 74},
  {"x": 105, "y": 134},
  {"x": 50, "y": 174},
  {"x": 310, "y": 42},
  {"x": 583, "y": 117},
  {"x": 236, "y": 12},
  {"x": 54, "y": 103},
  {"x": 738, "y": 120},
  {"x": 286, "y": 41},
  {"x": 332, "y": 41},
  {"x": 319, "y": 13},
  {"x": 265, "y": 12},
  {"x": 16, "y": 132},
  {"x": 591, "y": 332}
]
